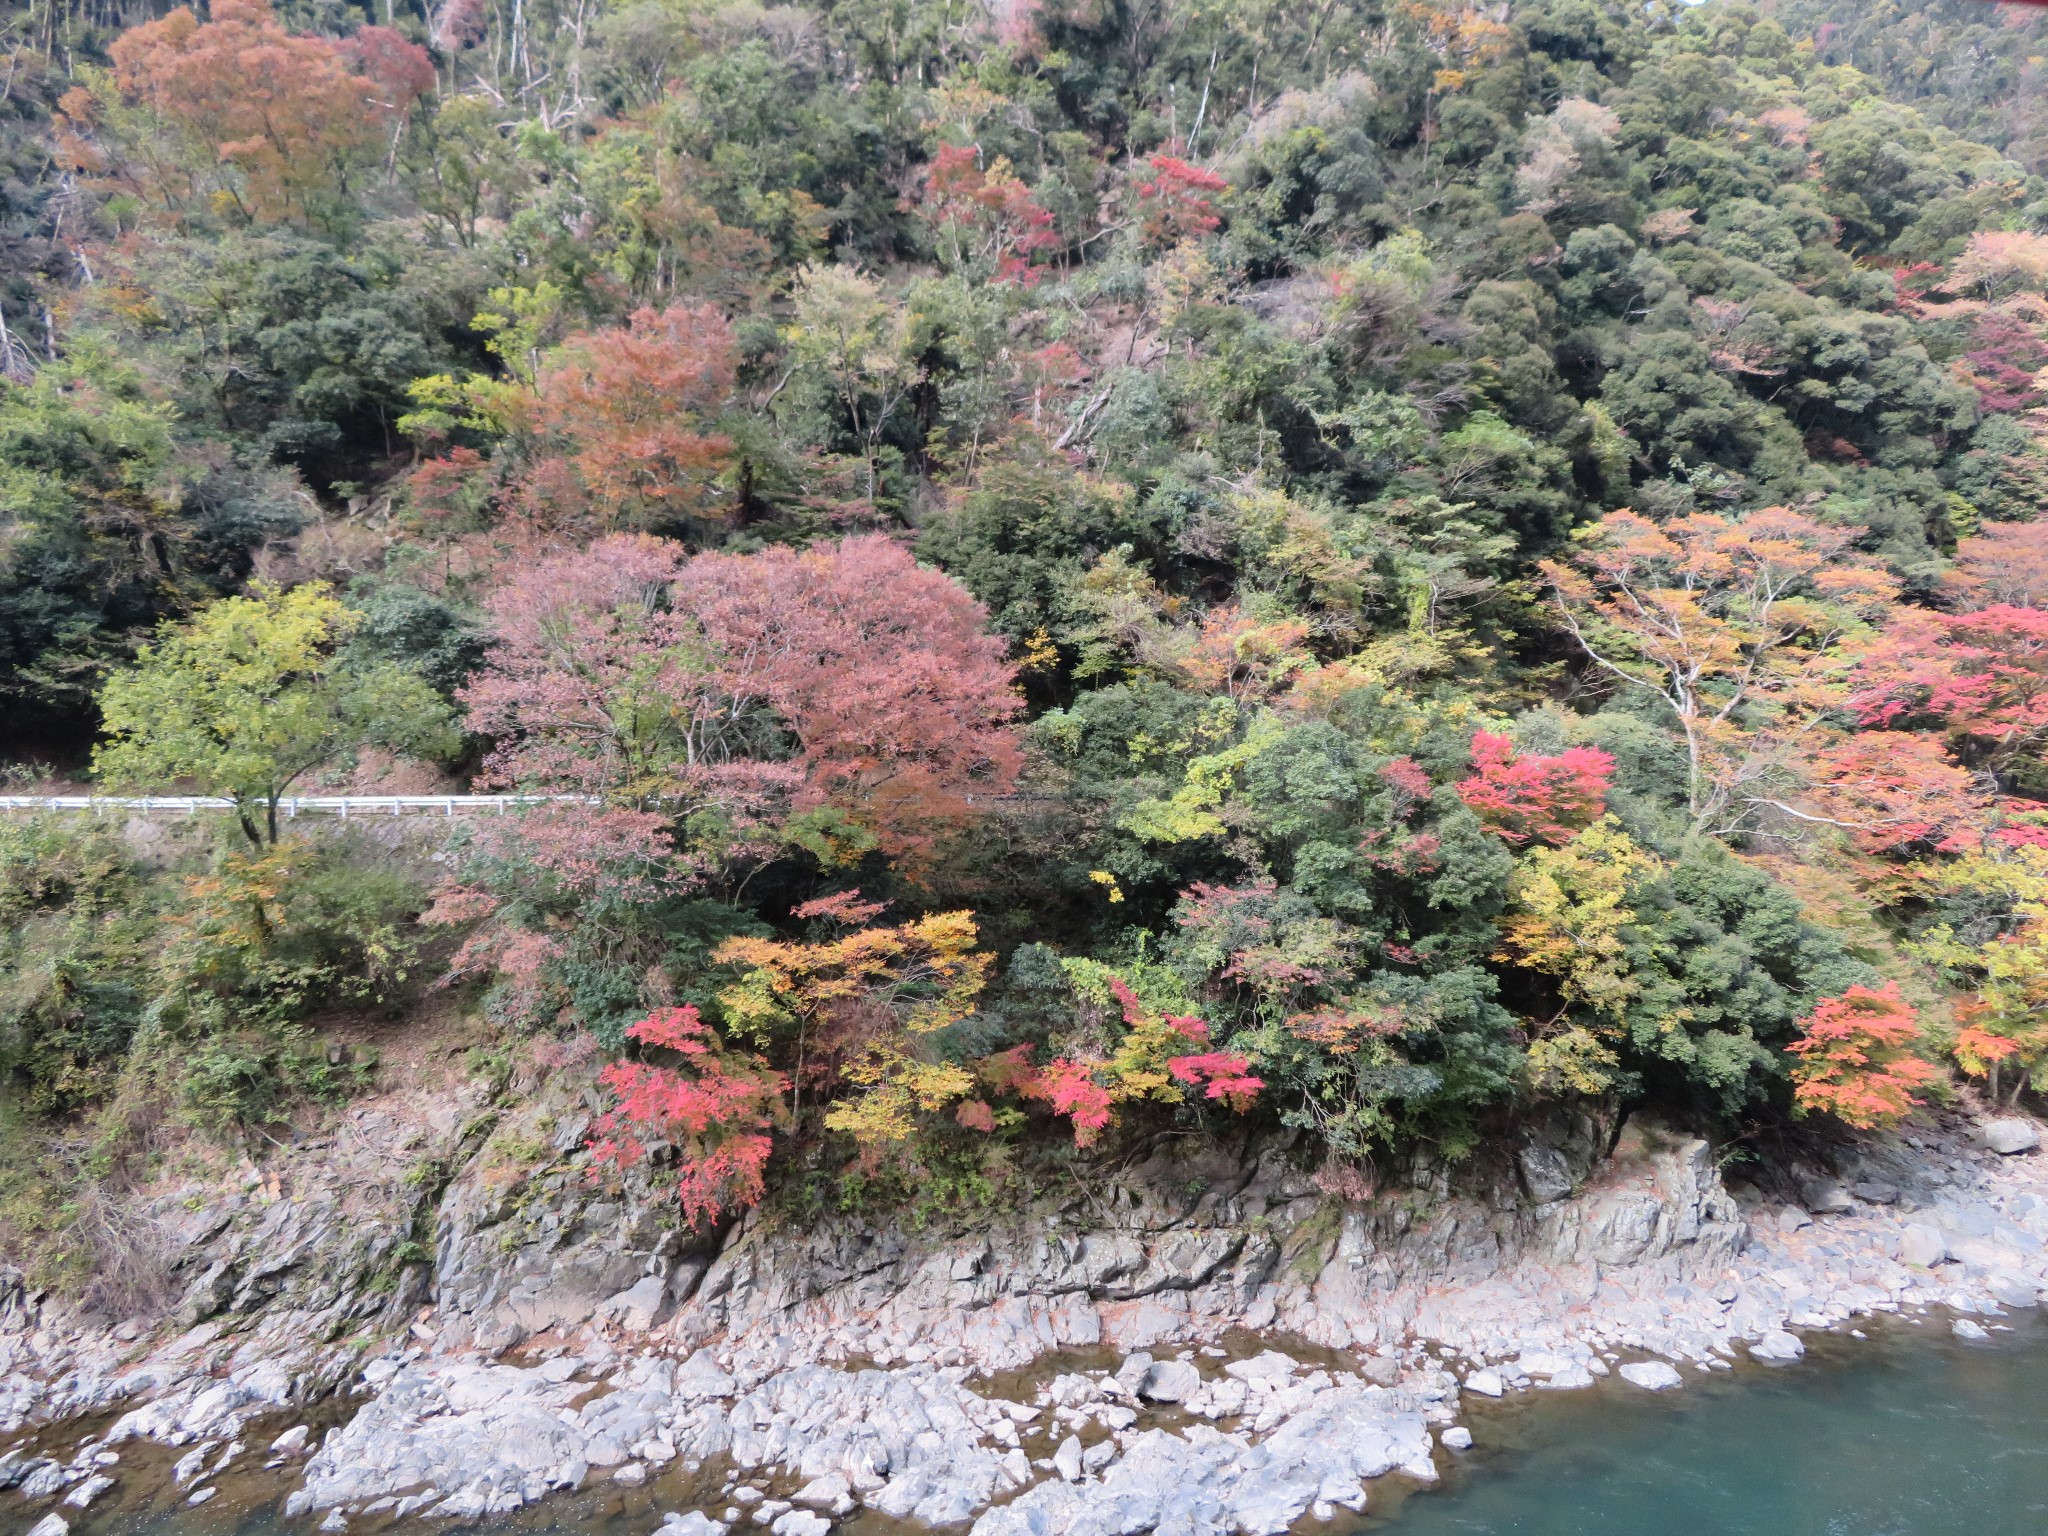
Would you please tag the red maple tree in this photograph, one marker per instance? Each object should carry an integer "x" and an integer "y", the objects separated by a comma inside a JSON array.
[
  {"x": 845, "y": 675},
  {"x": 1535, "y": 798},
  {"x": 719, "y": 1108},
  {"x": 986, "y": 214},
  {"x": 894, "y": 695},
  {"x": 1175, "y": 205},
  {"x": 1980, "y": 676}
]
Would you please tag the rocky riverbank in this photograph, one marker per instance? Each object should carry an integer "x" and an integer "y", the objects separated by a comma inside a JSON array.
[{"x": 1188, "y": 1342}]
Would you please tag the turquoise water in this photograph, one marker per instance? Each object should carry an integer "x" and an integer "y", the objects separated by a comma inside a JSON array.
[
  {"x": 1910, "y": 1433},
  {"x": 1915, "y": 1433}
]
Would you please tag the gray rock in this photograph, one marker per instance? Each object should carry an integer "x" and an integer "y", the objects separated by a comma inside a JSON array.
[
  {"x": 632, "y": 1474},
  {"x": 1922, "y": 1246},
  {"x": 1274, "y": 1366},
  {"x": 1170, "y": 1381},
  {"x": 2013, "y": 1291},
  {"x": 1067, "y": 1459},
  {"x": 1131, "y": 1373},
  {"x": 335, "y": 1521},
  {"x": 1824, "y": 1197},
  {"x": 45, "y": 1480},
  {"x": 1651, "y": 1375},
  {"x": 51, "y": 1525},
  {"x": 2007, "y": 1137},
  {"x": 695, "y": 1523},
  {"x": 1965, "y": 1329},
  {"x": 1545, "y": 1174},
  {"x": 1792, "y": 1219},
  {"x": 1485, "y": 1383},
  {"x": 1875, "y": 1191},
  {"x": 293, "y": 1439},
  {"x": 824, "y": 1492},
  {"x": 1457, "y": 1438},
  {"x": 1777, "y": 1346},
  {"x": 203, "y": 1495},
  {"x": 1380, "y": 1370},
  {"x": 83, "y": 1494},
  {"x": 800, "y": 1522},
  {"x": 641, "y": 1305}
]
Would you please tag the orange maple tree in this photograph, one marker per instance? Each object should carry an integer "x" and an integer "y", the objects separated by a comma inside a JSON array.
[
  {"x": 1855, "y": 1058},
  {"x": 1750, "y": 629},
  {"x": 1898, "y": 795},
  {"x": 275, "y": 124},
  {"x": 2001, "y": 563},
  {"x": 626, "y": 408}
]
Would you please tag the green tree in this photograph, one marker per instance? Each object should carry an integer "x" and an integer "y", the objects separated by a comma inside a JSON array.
[{"x": 253, "y": 694}]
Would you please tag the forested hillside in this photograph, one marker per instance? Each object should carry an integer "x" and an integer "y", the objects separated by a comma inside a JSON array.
[{"x": 1103, "y": 567}]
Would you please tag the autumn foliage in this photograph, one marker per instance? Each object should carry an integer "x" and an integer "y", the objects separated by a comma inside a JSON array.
[
  {"x": 764, "y": 685},
  {"x": 985, "y": 213},
  {"x": 1749, "y": 629},
  {"x": 1178, "y": 201},
  {"x": 1534, "y": 798},
  {"x": 1148, "y": 1062},
  {"x": 277, "y": 123},
  {"x": 1855, "y": 1058},
  {"x": 718, "y": 1108},
  {"x": 626, "y": 407},
  {"x": 859, "y": 1012},
  {"x": 1898, "y": 795},
  {"x": 2002, "y": 563},
  {"x": 1981, "y": 676}
]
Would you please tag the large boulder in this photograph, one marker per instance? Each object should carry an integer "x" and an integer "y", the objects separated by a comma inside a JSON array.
[
  {"x": 1825, "y": 1197},
  {"x": 2007, "y": 1137},
  {"x": 1651, "y": 1375},
  {"x": 1170, "y": 1381},
  {"x": 1545, "y": 1174},
  {"x": 1922, "y": 1246},
  {"x": 1778, "y": 1347}
]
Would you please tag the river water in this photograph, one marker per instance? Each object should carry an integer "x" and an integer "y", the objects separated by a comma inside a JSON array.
[{"x": 1911, "y": 1432}]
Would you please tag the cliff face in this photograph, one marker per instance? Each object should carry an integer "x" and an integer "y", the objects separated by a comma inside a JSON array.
[
  {"x": 517, "y": 1328},
  {"x": 446, "y": 1223}
]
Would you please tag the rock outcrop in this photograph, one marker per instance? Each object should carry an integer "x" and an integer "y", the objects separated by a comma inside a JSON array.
[{"x": 517, "y": 1329}]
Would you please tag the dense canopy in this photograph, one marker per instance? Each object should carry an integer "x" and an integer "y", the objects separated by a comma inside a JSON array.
[{"x": 1390, "y": 568}]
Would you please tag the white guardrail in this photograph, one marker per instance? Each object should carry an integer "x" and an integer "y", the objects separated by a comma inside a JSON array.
[{"x": 343, "y": 806}]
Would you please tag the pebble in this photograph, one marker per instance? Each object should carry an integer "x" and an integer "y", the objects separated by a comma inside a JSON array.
[{"x": 1965, "y": 1329}]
